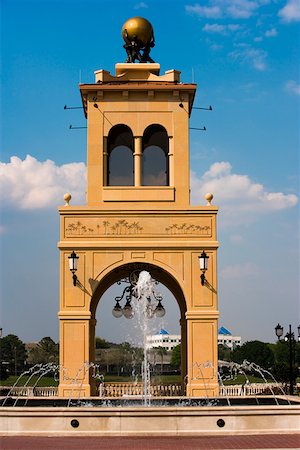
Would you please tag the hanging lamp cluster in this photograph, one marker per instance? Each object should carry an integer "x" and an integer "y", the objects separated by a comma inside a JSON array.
[{"x": 153, "y": 307}]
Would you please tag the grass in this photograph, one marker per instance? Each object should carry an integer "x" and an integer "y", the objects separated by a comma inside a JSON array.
[
  {"x": 44, "y": 381},
  {"x": 49, "y": 381},
  {"x": 241, "y": 379},
  {"x": 155, "y": 379}
]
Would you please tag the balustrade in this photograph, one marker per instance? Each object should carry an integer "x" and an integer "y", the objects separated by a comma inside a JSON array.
[{"x": 136, "y": 389}]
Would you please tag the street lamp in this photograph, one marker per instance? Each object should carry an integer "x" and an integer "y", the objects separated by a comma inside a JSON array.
[
  {"x": 73, "y": 261},
  {"x": 203, "y": 262},
  {"x": 290, "y": 338}
]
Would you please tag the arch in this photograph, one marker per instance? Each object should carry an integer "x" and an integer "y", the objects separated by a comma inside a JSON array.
[
  {"x": 120, "y": 168},
  {"x": 159, "y": 274},
  {"x": 155, "y": 163}
]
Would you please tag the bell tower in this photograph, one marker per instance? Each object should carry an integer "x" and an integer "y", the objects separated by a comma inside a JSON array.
[
  {"x": 137, "y": 138},
  {"x": 138, "y": 212}
]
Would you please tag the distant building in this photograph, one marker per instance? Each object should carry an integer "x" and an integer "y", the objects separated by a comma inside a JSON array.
[
  {"x": 225, "y": 338},
  {"x": 163, "y": 339},
  {"x": 169, "y": 341}
]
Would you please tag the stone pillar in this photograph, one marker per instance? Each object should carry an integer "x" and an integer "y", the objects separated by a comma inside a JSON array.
[
  {"x": 202, "y": 334},
  {"x": 105, "y": 166},
  {"x": 183, "y": 354},
  {"x": 74, "y": 355},
  {"x": 92, "y": 351},
  {"x": 137, "y": 160},
  {"x": 171, "y": 162}
]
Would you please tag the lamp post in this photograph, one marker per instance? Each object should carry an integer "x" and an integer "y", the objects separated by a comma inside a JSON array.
[{"x": 290, "y": 338}]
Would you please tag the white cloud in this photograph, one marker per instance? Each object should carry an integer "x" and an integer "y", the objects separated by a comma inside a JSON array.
[
  {"x": 239, "y": 197},
  {"x": 290, "y": 12},
  {"x": 3, "y": 229},
  {"x": 235, "y": 9},
  {"x": 271, "y": 33},
  {"x": 249, "y": 55},
  {"x": 210, "y": 12},
  {"x": 220, "y": 29},
  {"x": 140, "y": 5},
  {"x": 214, "y": 28},
  {"x": 241, "y": 270},
  {"x": 31, "y": 184},
  {"x": 292, "y": 87},
  {"x": 237, "y": 239}
]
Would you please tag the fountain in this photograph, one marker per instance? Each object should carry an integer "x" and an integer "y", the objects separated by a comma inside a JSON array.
[{"x": 182, "y": 416}]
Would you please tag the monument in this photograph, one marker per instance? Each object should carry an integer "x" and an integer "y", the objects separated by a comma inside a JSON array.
[
  {"x": 137, "y": 214},
  {"x": 138, "y": 223}
]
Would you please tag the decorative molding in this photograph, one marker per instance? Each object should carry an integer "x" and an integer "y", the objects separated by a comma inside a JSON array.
[
  {"x": 120, "y": 227},
  {"x": 186, "y": 228}
]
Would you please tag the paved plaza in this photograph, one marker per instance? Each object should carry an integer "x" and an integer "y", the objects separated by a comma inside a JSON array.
[{"x": 151, "y": 443}]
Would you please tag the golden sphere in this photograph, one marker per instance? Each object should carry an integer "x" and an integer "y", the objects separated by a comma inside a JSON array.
[{"x": 138, "y": 27}]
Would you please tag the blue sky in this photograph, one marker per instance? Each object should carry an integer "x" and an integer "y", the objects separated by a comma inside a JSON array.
[{"x": 244, "y": 57}]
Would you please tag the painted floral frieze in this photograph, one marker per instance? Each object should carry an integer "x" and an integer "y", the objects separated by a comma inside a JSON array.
[
  {"x": 122, "y": 227},
  {"x": 186, "y": 228},
  {"x": 104, "y": 228}
]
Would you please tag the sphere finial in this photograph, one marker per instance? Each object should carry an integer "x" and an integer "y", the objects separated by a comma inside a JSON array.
[
  {"x": 209, "y": 198},
  {"x": 67, "y": 198},
  {"x": 138, "y": 35}
]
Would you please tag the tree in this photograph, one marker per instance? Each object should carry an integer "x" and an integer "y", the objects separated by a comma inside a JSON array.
[
  {"x": 254, "y": 351},
  {"x": 281, "y": 367},
  {"x": 102, "y": 343},
  {"x": 44, "y": 352},
  {"x": 176, "y": 356},
  {"x": 224, "y": 353},
  {"x": 13, "y": 355}
]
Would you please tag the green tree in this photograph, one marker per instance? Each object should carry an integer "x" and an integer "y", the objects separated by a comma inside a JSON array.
[
  {"x": 101, "y": 343},
  {"x": 12, "y": 355},
  {"x": 44, "y": 352},
  {"x": 281, "y": 367},
  {"x": 224, "y": 353},
  {"x": 254, "y": 351},
  {"x": 176, "y": 356}
]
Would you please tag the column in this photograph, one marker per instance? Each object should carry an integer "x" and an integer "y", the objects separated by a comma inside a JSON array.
[
  {"x": 105, "y": 155},
  {"x": 92, "y": 358},
  {"x": 171, "y": 161},
  {"x": 183, "y": 354},
  {"x": 202, "y": 361},
  {"x": 137, "y": 160}
]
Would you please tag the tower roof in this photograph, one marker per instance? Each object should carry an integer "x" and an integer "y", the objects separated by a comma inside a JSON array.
[
  {"x": 223, "y": 330},
  {"x": 162, "y": 331}
]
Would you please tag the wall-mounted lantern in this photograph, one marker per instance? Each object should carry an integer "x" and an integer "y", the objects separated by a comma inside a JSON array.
[
  {"x": 73, "y": 261},
  {"x": 203, "y": 261}
]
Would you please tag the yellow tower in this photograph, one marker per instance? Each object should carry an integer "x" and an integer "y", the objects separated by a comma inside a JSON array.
[{"x": 138, "y": 214}]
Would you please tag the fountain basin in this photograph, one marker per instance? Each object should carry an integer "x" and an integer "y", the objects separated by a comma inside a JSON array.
[{"x": 151, "y": 420}]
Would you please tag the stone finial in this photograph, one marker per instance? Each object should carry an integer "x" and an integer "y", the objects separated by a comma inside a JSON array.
[
  {"x": 67, "y": 198},
  {"x": 209, "y": 198}
]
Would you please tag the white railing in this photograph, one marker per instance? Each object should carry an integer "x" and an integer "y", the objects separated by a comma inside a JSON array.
[
  {"x": 28, "y": 391},
  {"x": 248, "y": 389},
  {"x": 136, "y": 389}
]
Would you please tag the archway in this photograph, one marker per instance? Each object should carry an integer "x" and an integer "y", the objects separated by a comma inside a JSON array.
[{"x": 161, "y": 276}]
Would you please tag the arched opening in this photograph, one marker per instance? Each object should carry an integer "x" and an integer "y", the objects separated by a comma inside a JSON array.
[
  {"x": 155, "y": 165},
  {"x": 125, "y": 359},
  {"x": 120, "y": 166}
]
